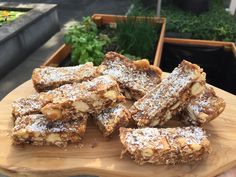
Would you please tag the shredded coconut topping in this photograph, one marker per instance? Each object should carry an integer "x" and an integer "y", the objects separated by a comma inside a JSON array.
[
  {"x": 38, "y": 123},
  {"x": 129, "y": 76},
  {"x": 49, "y": 75},
  {"x": 167, "y": 93},
  {"x": 153, "y": 137}
]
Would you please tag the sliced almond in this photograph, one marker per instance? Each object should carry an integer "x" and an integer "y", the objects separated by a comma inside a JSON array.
[
  {"x": 195, "y": 147},
  {"x": 168, "y": 115},
  {"x": 51, "y": 113},
  {"x": 53, "y": 138},
  {"x": 155, "y": 122},
  {"x": 176, "y": 105},
  {"x": 147, "y": 152},
  {"x": 181, "y": 142},
  {"x": 111, "y": 95},
  {"x": 23, "y": 133},
  {"x": 202, "y": 117},
  {"x": 196, "y": 88},
  {"x": 81, "y": 106}
]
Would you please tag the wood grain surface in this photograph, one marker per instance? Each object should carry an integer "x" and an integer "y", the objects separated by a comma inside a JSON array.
[{"x": 99, "y": 156}]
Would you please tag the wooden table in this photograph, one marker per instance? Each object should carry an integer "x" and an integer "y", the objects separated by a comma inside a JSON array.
[{"x": 100, "y": 156}]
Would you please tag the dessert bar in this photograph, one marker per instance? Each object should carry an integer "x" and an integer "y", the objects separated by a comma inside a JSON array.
[
  {"x": 48, "y": 78},
  {"x": 170, "y": 96},
  {"x": 87, "y": 97},
  {"x": 134, "y": 77},
  {"x": 111, "y": 119},
  {"x": 35, "y": 129},
  {"x": 204, "y": 108},
  {"x": 165, "y": 145}
]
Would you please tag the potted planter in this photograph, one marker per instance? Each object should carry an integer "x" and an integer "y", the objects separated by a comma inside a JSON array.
[
  {"x": 218, "y": 59},
  {"x": 101, "y": 19}
]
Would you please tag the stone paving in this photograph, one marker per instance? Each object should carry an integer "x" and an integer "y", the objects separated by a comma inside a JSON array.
[{"x": 68, "y": 10}]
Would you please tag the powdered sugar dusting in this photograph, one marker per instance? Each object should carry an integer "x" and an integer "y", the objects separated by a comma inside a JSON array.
[
  {"x": 153, "y": 137},
  {"x": 49, "y": 75}
]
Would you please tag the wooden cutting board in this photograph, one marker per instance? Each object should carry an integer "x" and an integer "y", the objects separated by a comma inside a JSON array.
[{"x": 99, "y": 156}]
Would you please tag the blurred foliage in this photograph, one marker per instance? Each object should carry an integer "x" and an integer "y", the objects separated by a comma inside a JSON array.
[{"x": 216, "y": 24}]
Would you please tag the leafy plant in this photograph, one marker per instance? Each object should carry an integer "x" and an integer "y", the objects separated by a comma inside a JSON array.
[
  {"x": 137, "y": 37},
  {"x": 87, "y": 44},
  {"x": 8, "y": 16},
  {"x": 216, "y": 24}
]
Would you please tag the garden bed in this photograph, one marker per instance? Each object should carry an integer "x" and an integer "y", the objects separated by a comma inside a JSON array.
[
  {"x": 218, "y": 59},
  {"x": 102, "y": 21},
  {"x": 26, "y": 33}
]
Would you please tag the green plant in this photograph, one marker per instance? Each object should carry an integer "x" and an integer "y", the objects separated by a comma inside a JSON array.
[
  {"x": 9, "y": 16},
  {"x": 137, "y": 37},
  {"x": 86, "y": 43},
  {"x": 216, "y": 24}
]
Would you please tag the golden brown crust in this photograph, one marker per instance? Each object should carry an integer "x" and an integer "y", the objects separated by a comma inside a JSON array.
[
  {"x": 111, "y": 119},
  {"x": 48, "y": 78},
  {"x": 170, "y": 96},
  {"x": 35, "y": 129},
  {"x": 86, "y": 97},
  {"x": 203, "y": 109},
  {"x": 134, "y": 77},
  {"x": 165, "y": 145}
]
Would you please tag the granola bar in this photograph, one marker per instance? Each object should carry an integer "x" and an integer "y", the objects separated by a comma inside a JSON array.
[
  {"x": 204, "y": 108},
  {"x": 134, "y": 77},
  {"x": 170, "y": 96},
  {"x": 165, "y": 145},
  {"x": 35, "y": 129},
  {"x": 86, "y": 97},
  {"x": 49, "y": 78},
  {"x": 111, "y": 119}
]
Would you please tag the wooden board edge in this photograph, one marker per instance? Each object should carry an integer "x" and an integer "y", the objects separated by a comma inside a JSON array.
[{"x": 230, "y": 45}]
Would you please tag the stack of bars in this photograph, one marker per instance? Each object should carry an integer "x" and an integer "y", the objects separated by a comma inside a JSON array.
[{"x": 68, "y": 96}]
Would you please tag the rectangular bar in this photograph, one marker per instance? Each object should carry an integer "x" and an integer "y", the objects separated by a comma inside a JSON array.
[
  {"x": 111, "y": 119},
  {"x": 134, "y": 77},
  {"x": 48, "y": 78},
  {"x": 32, "y": 104},
  {"x": 203, "y": 109},
  {"x": 165, "y": 145},
  {"x": 87, "y": 97},
  {"x": 35, "y": 129},
  {"x": 170, "y": 96}
]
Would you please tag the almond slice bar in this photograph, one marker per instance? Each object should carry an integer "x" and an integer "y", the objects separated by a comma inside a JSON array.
[
  {"x": 111, "y": 119},
  {"x": 134, "y": 77},
  {"x": 204, "y": 108},
  {"x": 36, "y": 130},
  {"x": 170, "y": 96},
  {"x": 87, "y": 97},
  {"x": 165, "y": 145},
  {"x": 49, "y": 78}
]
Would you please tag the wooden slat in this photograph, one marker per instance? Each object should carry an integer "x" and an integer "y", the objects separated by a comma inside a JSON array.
[
  {"x": 230, "y": 45},
  {"x": 58, "y": 56}
]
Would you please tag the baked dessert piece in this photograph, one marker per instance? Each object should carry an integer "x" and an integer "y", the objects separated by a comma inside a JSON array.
[
  {"x": 87, "y": 97},
  {"x": 165, "y": 145},
  {"x": 111, "y": 119},
  {"x": 33, "y": 103},
  {"x": 49, "y": 78},
  {"x": 170, "y": 96},
  {"x": 134, "y": 77},
  {"x": 204, "y": 108},
  {"x": 35, "y": 129}
]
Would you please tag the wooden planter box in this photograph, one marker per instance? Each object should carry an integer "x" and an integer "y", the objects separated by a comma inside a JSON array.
[
  {"x": 102, "y": 19},
  {"x": 218, "y": 59}
]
